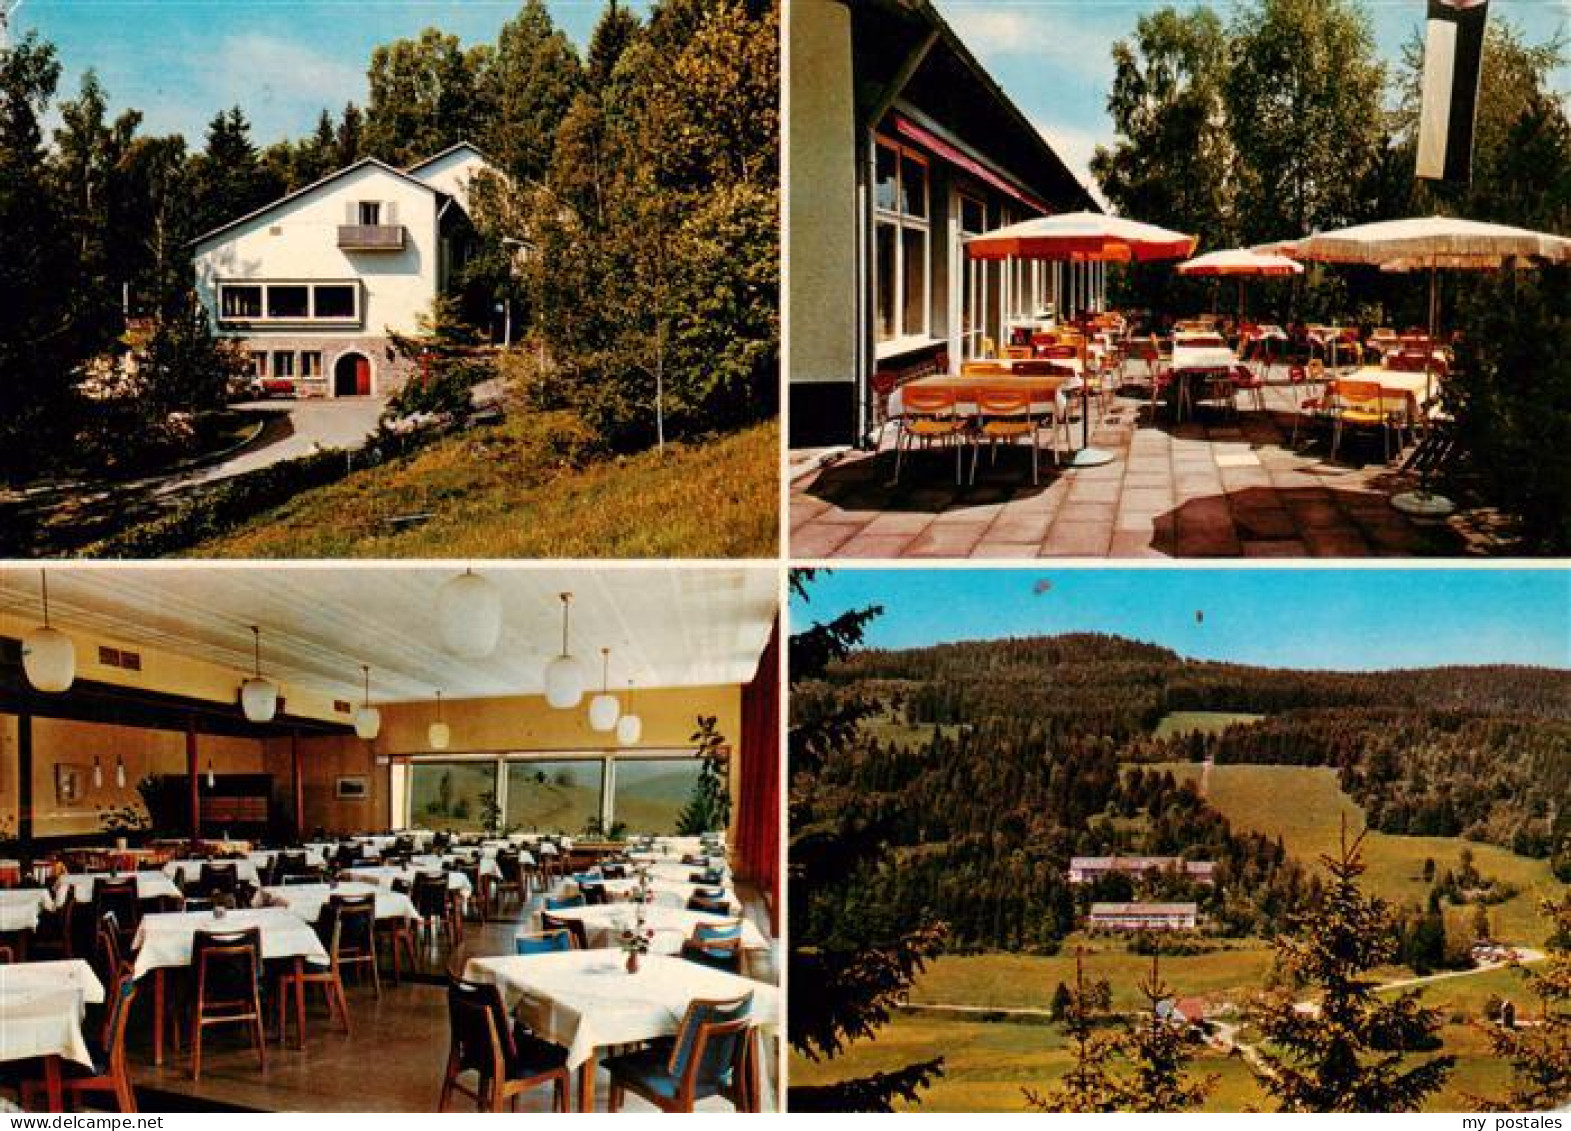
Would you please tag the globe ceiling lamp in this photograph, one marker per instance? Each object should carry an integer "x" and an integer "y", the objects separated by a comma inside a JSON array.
[
  {"x": 629, "y": 728},
  {"x": 438, "y": 734},
  {"x": 368, "y": 720},
  {"x": 564, "y": 676},
  {"x": 604, "y": 708},
  {"x": 48, "y": 656},
  {"x": 258, "y": 696},
  {"x": 469, "y": 610}
]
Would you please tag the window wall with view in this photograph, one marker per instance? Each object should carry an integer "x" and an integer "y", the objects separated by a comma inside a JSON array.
[{"x": 577, "y": 796}]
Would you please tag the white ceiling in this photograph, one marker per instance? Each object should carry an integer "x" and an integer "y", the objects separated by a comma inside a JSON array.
[{"x": 666, "y": 626}]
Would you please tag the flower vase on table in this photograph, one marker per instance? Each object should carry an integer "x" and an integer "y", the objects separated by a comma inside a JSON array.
[{"x": 637, "y": 939}]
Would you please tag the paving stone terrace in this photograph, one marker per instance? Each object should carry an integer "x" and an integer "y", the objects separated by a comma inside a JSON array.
[{"x": 1219, "y": 485}]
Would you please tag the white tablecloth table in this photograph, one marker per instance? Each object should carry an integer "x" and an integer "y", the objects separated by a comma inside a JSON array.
[
  {"x": 164, "y": 942},
  {"x": 21, "y": 907},
  {"x": 189, "y": 871},
  {"x": 1193, "y": 362},
  {"x": 383, "y": 876},
  {"x": 677, "y": 872},
  {"x": 263, "y": 858},
  {"x": 668, "y": 893},
  {"x": 149, "y": 885},
  {"x": 584, "y": 1000},
  {"x": 604, "y": 924},
  {"x": 42, "y": 1005},
  {"x": 308, "y": 900},
  {"x": 485, "y": 864}
]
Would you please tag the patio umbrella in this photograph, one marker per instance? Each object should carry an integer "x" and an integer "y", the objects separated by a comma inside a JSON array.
[
  {"x": 1433, "y": 243},
  {"x": 1082, "y": 237},
  {"x": 1242, "y": 263}
]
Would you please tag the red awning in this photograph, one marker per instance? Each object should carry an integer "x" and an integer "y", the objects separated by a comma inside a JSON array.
[{"x": 927, "y": 139}]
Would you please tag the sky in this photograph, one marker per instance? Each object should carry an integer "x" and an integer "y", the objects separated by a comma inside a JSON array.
[
  {"x": 1339, "y": 619},
  {"x": 1053, "y": 58},
  {"x": 281, "y": 61}
]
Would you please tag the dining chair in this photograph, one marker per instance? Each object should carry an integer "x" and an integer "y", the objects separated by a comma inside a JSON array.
[
  {"x": 293, "y": 981},
  {"x": 510, "y": 881},
  {"x": 709, "y": 905},
  {"x": 709, "y": 1056},
  {"x": 545, "y": 942},
  {"x": 930, "y": 415},
  {"x": 109, "y": 1072},
  {"x": 1357, "y": 404},
  {"x": 228, "y": 968},
  {"x": 506, "y": 1064},
  {"x": 564, "y": 902},
  {"x": 1004, "y": 416},
  {"x": 118, "y": 897},
  {"x": 429, "y": 894},
  {"x": 573, "y": 927},
  {"x": 54, "y": 935},
  {"x": 717, "y": 945},
  {"x": 349, "y": 923}
]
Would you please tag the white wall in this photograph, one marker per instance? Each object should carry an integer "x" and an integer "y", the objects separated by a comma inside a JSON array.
[
  {"x": 453, "y": 174},
  {"x": 299, "y": 241}
]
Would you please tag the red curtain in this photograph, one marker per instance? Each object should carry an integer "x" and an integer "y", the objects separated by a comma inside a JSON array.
[{"x": 758, "y": 801}]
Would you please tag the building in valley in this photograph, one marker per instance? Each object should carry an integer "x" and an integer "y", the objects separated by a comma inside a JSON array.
[
  {"x": 1088, "y": 869},
  {"x": 1143, "y": 917},
  {"x": 314, "y": 283}
]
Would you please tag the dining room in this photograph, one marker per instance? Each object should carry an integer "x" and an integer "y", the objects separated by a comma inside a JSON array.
[{"x": 510, "y": 835}]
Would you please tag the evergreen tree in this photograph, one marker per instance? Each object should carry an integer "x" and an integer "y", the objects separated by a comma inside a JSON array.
[
  {"x": 848, "y": 969},
  {"x": 349, "y": 141},
  {"x": 42, "y": 340},
  {"x": 1157, "y": 1048},
  {"x": 227, "y": 177},
  {"x": 1090, "y": 1085},
  {"x": 1353, "y": 1051},
  {"x": 1540, "y": 1054}
]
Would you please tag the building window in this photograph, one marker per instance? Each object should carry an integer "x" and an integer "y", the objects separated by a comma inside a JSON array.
[
  {"x": 310, "y": 365},
  {"x": 652, "y": 792},
  {"x": 259, "y": 365},
  {"x": 284, "y": 365},
  {"x": 337, "y": 301},
  {"x": 370, "y": 213},
  {"x": 451, "y": 795},
  {"x": 240, "y": 302},
  {"x": 902, "y": 243},
  {"x": 978, "y": 279},
  {"x": 288, "y": 302},
  {"x": 561, "y": 796}
]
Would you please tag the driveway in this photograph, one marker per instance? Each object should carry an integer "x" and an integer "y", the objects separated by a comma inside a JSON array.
[{"x": 293, "y": 429}]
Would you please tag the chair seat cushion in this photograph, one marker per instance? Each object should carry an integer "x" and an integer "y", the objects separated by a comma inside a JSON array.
[
  {"x": 1008, "y": 428},
  {"x": 1362, "y": 416},
  {"x": 922, "y": 426},
  {"x": 648, "y": 1070}
]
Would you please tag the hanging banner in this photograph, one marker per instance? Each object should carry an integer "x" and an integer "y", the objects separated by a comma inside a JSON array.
[{"x": 1453, "y": 57}]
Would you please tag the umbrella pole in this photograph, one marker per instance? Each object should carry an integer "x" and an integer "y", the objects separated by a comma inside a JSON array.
[
  {"x": 1424, "y": 503},
  {"x": 1087, "y": 456}
]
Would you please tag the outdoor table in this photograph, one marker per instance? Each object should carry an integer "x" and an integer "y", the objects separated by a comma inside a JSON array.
[
  {"x": 149, "y": 885},
  {"x": 21, "y": 907},
  {"x": 1044, "y": 388},
  {"x": 308, "y": 900},
  {"x": 1190, "y": 362},
  {"x": 189, "y": 871},
  {"x": 585, "y": 1000},
  {"x": 671, "y": 893},
  {"x": 164, "y": 942},
  {"x": 604, "y": 923},
  {"x": 43, "y": 1004}
]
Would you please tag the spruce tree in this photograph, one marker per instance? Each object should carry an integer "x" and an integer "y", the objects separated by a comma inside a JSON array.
[
  {"x": 1540, "y": 1053},
  {"x": 1350, "y": 1050}
]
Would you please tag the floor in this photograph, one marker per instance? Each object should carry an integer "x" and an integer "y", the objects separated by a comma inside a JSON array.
[
  {"x": 1217, "y": 485},
  {"x": 392, "y": 1061}
]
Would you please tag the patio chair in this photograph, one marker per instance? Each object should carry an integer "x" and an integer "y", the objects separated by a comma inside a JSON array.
[
  {"x": 1358, "y": 404},
  {"x": 573, "y": 928},
  {"x": 228, "y": 967},
  {"x": 709, "y": 1056},
  {"x": 1003, "y": 415},
  {"x": 110, "y": 1072},
  {"x": 506, "y": 1064},
  {"x": 929, "y": 415},
  {"x": 716, "y": 945},
  {"x": 1247, "y": 381},
  {"x": 1314, "y": 403},
  {"x": 545, "y": 942}
]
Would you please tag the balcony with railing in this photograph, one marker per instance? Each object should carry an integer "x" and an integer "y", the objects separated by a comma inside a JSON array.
[{"x": 371, "y": 237}]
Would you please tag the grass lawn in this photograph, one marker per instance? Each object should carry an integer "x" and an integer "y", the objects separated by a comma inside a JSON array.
[
  {"x": 987, "y": 1065},
  {"x": 1304, "y": 805},
  {"x": 1206, "y": 722},
  {"x": 508, "y": 492}
]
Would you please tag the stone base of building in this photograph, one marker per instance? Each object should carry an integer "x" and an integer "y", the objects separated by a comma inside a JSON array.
[{"x": 314, "y": 366}]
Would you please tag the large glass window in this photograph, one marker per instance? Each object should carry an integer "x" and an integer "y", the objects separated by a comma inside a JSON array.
[
  {"x": 554, "y": 797},
  {"x": 336, "y": 301},
  {"x": 451, "y": 795},
  {"x": 288, "y": 302},
  {"x": 903, "y": 264},
  {"x": 652, "y": 792},
  {"x": 240, "y": 302}
]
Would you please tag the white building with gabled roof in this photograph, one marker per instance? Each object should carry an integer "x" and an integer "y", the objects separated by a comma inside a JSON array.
[{"x": 312, "y": 284}]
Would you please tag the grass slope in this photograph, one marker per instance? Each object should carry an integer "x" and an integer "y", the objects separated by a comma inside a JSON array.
[
  {"x": 1206, "y": 722},
  {"x": 1305, "y": 805},
  {"x": 522, "y": 490}
]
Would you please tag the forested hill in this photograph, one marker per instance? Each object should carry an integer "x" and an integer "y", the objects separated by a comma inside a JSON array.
[
  {"x": 1128, "y": 685},
  {"x": 1481, "y": 752}
]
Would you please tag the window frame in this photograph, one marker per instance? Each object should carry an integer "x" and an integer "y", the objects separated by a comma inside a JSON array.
[
  {"x": 223, "y": 287},
  {"x": 902, "y": 222}
]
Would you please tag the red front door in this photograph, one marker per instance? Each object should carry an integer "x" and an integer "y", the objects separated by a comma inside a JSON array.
[{"x": 362, "y": 377}]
